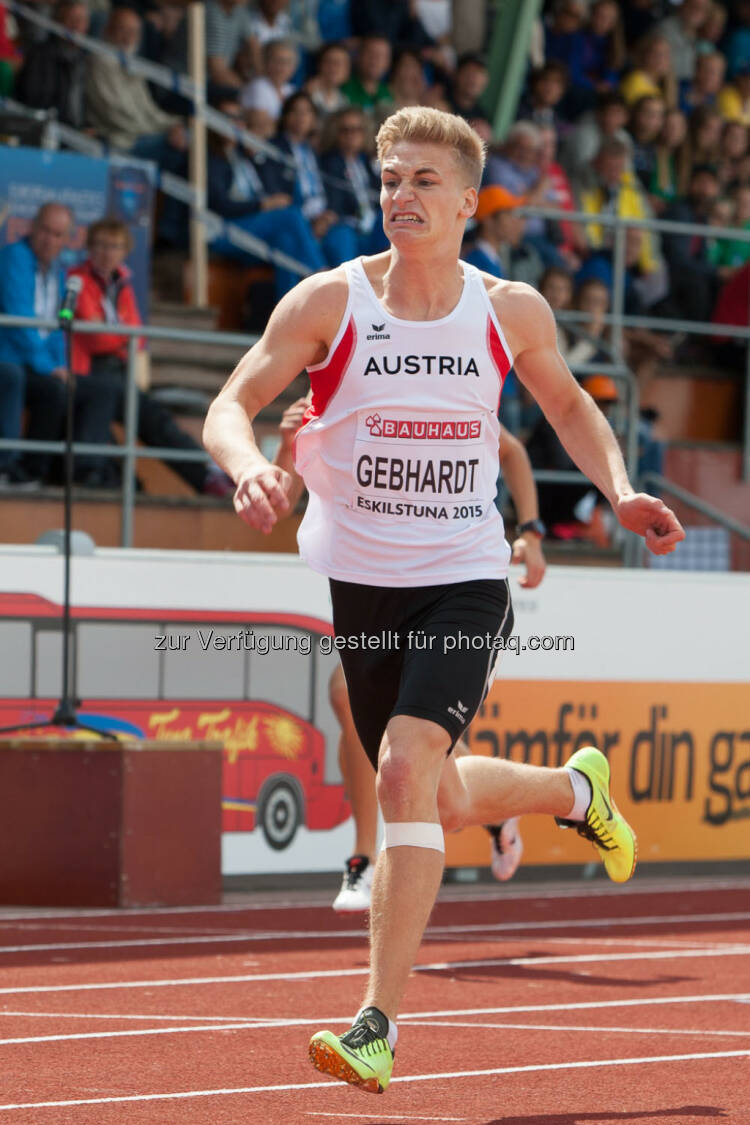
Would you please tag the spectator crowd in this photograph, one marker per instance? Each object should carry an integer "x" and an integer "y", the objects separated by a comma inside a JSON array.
[{"x": 634, "y": 108}]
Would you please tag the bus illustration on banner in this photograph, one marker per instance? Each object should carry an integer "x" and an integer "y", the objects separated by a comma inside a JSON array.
[{"x": 251, "y": 681}]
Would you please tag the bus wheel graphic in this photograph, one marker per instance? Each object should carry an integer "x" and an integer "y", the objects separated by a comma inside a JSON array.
[{"x": 280, "y": 814}]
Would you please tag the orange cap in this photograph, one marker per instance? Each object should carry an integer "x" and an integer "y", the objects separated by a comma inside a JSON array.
[
  {"x": 496, "y": 198},
  {"x": 601, "y": 388}
]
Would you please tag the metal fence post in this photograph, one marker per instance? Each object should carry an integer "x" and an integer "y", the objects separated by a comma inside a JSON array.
[
  {"x": 128, "y": 464},
  {"x": 618, "y": 289}
]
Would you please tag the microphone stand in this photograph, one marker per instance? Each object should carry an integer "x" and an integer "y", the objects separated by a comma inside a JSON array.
[{"x": 65, "y": 714}]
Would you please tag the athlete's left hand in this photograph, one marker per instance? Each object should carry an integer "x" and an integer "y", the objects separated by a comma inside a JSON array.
[
  {"x": 650, "y": 517},
  {"x": 527, "y": 550}
]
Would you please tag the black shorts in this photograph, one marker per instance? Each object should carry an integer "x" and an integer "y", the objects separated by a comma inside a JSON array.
[{"x": 426, "y": 651}]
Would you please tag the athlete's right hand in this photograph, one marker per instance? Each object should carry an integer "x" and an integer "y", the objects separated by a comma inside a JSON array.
[{"x": 261, "y": 496}]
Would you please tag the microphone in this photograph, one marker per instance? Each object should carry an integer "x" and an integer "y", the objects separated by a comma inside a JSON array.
[{"x": 73, "y": 287}]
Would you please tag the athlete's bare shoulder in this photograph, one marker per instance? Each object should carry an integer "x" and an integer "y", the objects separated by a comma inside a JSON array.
[
  {"x": 322, "y": 295},
  {"x": 524, "y": 314}
]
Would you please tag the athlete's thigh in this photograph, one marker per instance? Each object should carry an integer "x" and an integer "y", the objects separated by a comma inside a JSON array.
[
  {"x": 366, "y": 620},
  {"x": 451, "y": 652}
]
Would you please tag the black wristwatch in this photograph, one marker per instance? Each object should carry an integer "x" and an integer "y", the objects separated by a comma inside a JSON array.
[{"x": 535, "y": 526}]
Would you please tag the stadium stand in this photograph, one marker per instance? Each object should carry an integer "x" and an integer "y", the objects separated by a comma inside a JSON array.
[{"x": 628, "y": 110}]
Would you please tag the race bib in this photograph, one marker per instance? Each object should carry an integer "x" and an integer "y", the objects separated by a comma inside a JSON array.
[{"x": 412, "y": 466}]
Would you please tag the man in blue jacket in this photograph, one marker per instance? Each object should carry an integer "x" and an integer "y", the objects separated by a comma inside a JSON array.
[{"x": 33, "y": 370}]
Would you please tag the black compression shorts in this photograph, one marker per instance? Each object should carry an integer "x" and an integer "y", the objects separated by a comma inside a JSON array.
[{"x": 426, "y": 651}]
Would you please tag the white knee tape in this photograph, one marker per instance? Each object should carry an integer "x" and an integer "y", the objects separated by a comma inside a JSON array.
[{"x": 414, "y": 834}]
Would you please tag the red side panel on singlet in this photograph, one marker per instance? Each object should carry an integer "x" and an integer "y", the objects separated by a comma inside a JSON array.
[{"x": 324, "y": 381}]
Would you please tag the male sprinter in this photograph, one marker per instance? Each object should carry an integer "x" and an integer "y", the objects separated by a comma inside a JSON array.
[
  {"x": 406, "y": 353},
  {"x": 506, "y": 845}
]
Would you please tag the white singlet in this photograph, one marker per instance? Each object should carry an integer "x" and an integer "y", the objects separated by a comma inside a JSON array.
[{"x": 399, "y": 449}]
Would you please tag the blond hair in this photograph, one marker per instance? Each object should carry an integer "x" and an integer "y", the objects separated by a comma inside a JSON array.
[{"x": 433, "y": 126}]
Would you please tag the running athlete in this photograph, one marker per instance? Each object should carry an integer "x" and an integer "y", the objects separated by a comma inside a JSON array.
[
  {"x": 406, "y": 353},
  {"x": 506, "y": 845}
]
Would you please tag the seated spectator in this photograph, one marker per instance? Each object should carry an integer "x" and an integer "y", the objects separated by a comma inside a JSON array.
[
  {"x": 737, "y": 44},
  {"x": 332, "y": 70},
  {"x": 564, "y": 39},
  {"x": 682, "y": 31},
  {"x": 556, "y": 286},
  {"x": 704, "y": 136},
  {"x": 733, "y": 102},
  {"x": 120, "y": 106},
  {"x": 298, "y": 124},
  {"x": 515, "y": 165},
  {"x": 54, "y": 71},
  {"x": 229, "y": 32},
  {"x": 367, "y": 88},
  {"x": 584, "y": 141},
  {"x": 733, "y": 148},
  {"x": 334, "y": 20},
  {"x": 237, "y": 192},
  {"x": 466, "y": 88},
  {"x": 713, "y": 28},
  {"x": 266, "y": 93},
  {"x": 731, "y": 253},
  {"x": 500, "y": 248},
  {"x": 652, "y": 74},
  {"x": 645, "y": 127},
  {"x": 33, "y": 367},
  {"x": 165, "y": 41},
  {"x": 693, "y": 278},
  {"x": 588, "y": 338},
  {"x": 269, "y": 20},
  {"x": 436, "y": 21},
  {"x": 671, "y": 169},
  {"x": 703, "y": 87},
  {"x": 615, "y": 190},
  {"x": 604, "y": 46},
  {"x": 641, "y": 291},
  {"x": 107, "y": 296},
  {"x": 352, "y": 188},
  {"x": 396, "y": 22},
  {"x": 543, "y": 102},
  {"x": 639, "y": 19},
  {"x": 558, "y": 241},
  {"x": 407, "y": 83}
]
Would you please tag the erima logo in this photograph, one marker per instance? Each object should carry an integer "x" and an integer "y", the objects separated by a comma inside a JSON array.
[{"x": 378, "y": 334}]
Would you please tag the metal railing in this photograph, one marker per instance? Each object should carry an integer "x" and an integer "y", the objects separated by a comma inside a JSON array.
[
  {"x": 130, "y": 451},
  {"x": 617, "y": 318}
]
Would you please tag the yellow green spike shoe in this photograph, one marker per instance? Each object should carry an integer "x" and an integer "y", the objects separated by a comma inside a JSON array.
[
  {"x": 361, "y": 1056},
  {"x": 604, "y": 826}
]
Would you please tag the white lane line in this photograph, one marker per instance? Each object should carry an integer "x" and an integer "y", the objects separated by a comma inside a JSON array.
[
  {"x": 143, "y": 1018},
  {"x": 381, "y": 1116},
  {"x": 259, "y": 1023},
  {"x": 411, "y": 1017},
  {"x": 449, "y": 894},
  {"x": 124, "y": 1034},
  {"x": 698, "y": 1032},
  {"x": 434, "y": 932},
  {"x": 452, "y": 1075},
  {"x": 437, "y": 966},
  {"x": 252, "y": 1025}
]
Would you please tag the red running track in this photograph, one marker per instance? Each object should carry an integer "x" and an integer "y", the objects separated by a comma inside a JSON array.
[{"x": 529, "y": 1006}]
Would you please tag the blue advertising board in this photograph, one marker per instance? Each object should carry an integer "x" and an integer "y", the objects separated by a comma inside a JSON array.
[{"x": 121, "y": 188}]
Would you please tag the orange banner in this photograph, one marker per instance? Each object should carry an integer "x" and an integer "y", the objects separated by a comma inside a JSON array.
[{"x": 679, "y": 754}]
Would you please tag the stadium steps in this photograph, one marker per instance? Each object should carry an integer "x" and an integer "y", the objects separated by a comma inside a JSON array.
[
  {"x": 696, "y": 402},
  {"x": 192, "y": 523}
]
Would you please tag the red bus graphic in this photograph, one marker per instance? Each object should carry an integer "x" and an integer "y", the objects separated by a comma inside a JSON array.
[{"x": 257, "y": 683}]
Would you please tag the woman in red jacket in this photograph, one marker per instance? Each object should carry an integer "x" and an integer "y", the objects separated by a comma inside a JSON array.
[{"x": 100, "y": 359}]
